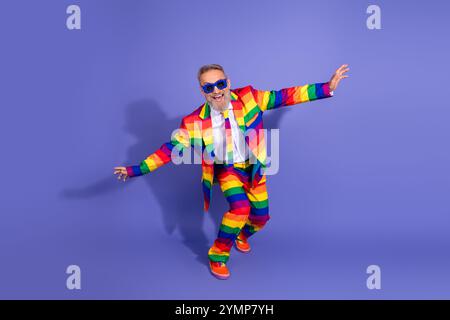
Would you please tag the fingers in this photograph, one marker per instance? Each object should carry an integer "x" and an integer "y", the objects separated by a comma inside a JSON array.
[
  {"x": 122, "y": 173},
  {"x": 122, "y": 176},
  {"x": 340, "y": 74},
  {"x": 338, "y": 70},
  {"x": 339, "y": 78},
  {"x": 342, "y": 69},
  {"x": 120, "y": 170}
]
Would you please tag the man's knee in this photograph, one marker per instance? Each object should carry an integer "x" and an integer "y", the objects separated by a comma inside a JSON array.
[
  {"x": 240, "y": 204},
  {"x": 242, "y": 208}
]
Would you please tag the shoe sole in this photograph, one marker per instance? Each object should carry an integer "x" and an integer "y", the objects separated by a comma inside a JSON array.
[{"x": 219, "y": 276}]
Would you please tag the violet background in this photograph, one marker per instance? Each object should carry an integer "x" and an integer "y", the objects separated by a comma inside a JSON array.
[{"x": 364, "y": 176}]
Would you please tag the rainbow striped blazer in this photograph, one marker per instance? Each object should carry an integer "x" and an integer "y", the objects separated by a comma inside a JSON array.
[{"x": 249, "y": 104}]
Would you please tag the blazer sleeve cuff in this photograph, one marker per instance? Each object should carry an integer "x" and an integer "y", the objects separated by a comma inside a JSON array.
[
  {"x": 134, "y": 171},
  {"x": 324, "y": 90}
]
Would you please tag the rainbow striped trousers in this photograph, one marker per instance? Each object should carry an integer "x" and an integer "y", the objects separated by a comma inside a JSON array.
[{"x": 248, "y": 212}]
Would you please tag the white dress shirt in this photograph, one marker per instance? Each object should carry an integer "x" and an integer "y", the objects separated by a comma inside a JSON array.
[{"x": 240, "y": 150}]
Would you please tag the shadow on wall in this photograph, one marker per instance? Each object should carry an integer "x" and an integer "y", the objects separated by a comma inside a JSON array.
[{"x": 178, "y": 188}]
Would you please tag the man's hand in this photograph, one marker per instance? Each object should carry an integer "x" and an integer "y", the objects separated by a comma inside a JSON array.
[
  {"x": 338, "y": 76},
  {"x": 122, "y": 172}
]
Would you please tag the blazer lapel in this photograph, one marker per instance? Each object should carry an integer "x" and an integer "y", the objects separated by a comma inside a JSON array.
[
  {"x": 238, "y": 111},
  {"x": 207, "y": 134}
]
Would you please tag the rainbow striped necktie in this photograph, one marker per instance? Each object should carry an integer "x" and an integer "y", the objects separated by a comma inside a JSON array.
[{"x": 228, "y": 138}]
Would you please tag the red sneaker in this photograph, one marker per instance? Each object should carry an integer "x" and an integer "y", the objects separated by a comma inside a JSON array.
[
  {"x": 242, "y": 244},
  {"x": 219, "y": 270}
]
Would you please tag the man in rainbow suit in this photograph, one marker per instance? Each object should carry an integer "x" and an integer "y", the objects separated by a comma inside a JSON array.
[{"x": 228, "y": 130}]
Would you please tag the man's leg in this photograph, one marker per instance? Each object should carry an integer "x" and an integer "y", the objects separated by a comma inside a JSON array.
[
  {"x": 259, "y": 212},
  {"x": 231, "y": 182}
]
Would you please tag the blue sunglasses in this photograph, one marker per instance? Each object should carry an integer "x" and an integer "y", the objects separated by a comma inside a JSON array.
[{"x": 220, "y": 84}]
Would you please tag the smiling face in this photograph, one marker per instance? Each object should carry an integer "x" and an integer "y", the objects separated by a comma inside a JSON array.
[{"x": 218, "y": 99}]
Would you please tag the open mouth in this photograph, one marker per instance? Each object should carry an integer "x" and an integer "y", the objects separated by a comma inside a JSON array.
[{"x": 218, "y": 97}]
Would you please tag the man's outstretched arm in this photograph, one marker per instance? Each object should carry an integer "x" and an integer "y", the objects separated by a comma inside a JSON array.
[
  {"x": 268, "y": 100},
  {"x": 180, "y": 140}
]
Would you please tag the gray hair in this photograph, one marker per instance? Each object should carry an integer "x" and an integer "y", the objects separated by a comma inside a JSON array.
[{"x": 208, "y": 67}]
